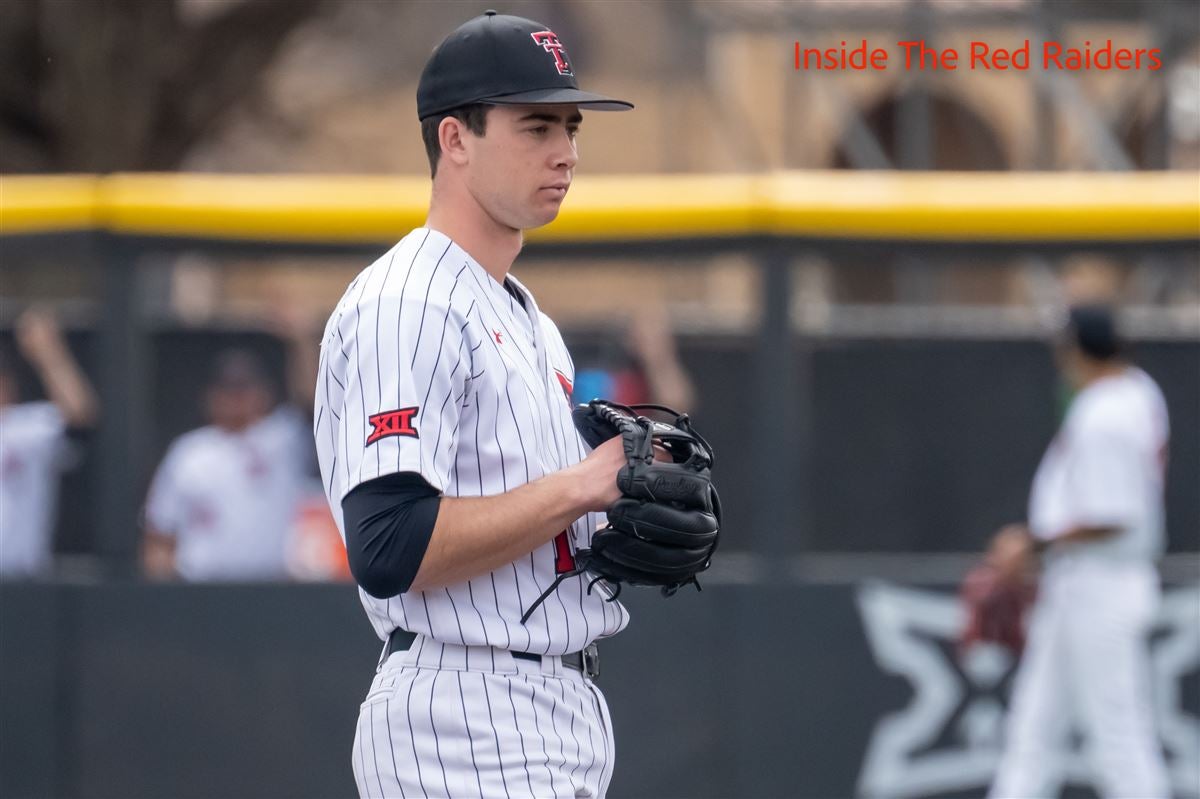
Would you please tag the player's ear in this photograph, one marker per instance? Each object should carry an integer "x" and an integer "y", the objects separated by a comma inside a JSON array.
[{"x": 451, "y": 137}]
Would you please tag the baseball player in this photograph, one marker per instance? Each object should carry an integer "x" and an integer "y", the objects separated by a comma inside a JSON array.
[
  {"x": 451, "y": 463},
  {"x": 645, "y": 367},
  {"x": 34, "y": 443},
  {"x": 223, "y": 500},
  {"x": 1096, "y": 512}
]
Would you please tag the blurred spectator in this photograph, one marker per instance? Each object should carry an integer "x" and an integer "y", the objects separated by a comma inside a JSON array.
[
  {"x": 645, "y": 369},
  {"x": 224, "y": 499},
  {"x": 34, "y": 442},
  {"x": 1096, "y": 510}
]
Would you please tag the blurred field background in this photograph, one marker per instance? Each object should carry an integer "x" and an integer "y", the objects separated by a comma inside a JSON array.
[{"x": 860, "y": 272}]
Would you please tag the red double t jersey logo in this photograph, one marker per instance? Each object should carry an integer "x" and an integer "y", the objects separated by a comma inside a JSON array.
[{"x": 393, "y": 423}]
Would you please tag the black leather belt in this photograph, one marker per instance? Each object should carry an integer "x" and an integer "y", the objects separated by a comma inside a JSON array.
[{"x": 586, "y": 661}]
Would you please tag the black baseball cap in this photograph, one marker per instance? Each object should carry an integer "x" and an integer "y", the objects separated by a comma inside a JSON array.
[
  {"x": 1093, "y": 329},
  {"x": 505, "y": 60},
  {"x": 238, "y": 369}
]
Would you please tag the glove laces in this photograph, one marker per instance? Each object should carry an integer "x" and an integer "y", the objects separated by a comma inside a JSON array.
[{"x": 583, "y": 555}]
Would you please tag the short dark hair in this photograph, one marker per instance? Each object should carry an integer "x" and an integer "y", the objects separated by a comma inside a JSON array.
[{"x": 474, "y": 116}]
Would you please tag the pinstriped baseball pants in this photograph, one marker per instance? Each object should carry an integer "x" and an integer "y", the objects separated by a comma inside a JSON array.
[{"x": 443, "y": 720}]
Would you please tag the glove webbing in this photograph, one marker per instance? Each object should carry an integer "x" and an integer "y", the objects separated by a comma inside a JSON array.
[{"x": 608, "y": 410}]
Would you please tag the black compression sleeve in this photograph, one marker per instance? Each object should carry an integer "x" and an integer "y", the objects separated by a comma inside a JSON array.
[{"x": 388, "y": 522}]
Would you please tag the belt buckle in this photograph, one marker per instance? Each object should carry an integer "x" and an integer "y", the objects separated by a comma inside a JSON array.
[{"x": 591, "y": 660}]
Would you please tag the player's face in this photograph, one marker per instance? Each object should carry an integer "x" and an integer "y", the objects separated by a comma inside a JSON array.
[
  {"x": 520, "y": 169},
  {"x": 237, "y": 407}
]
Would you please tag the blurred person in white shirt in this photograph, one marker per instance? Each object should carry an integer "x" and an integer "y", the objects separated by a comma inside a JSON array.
[
  {"x": 34, "y": 444},
  {"x": 1096, "y": 516},
  {"x": 223, "y": 502}
]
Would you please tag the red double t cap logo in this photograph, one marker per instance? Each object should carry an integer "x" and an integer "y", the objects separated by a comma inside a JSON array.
[
  {"x": 552, "y": 45},
  {"x": 393, "y": 423}
]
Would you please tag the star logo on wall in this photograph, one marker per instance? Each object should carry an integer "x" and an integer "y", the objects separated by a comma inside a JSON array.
[{"x": 949, "y": 736}]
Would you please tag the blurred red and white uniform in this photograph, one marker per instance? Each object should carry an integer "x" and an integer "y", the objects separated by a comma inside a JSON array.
[
  {"x": 229, "y": 498},
  {"x": 1086, "y": 665},
  {"x": 33, "y": 449},
  {"x": 315, "y": 550}
]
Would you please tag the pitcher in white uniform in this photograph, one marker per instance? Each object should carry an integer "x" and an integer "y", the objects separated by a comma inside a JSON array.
[
  {"x": 451, "y": 463},
  {"x": 1096, "y": 511}
]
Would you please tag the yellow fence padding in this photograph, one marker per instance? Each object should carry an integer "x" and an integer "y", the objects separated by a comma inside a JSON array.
[{"x": 962, "y": 207}]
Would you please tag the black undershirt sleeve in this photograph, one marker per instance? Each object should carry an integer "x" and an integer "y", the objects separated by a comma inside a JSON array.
[{"x": 388, "y": 523}]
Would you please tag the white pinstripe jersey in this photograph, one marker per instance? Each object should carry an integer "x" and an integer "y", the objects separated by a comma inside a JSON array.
[{"x": 429, "y": 365}]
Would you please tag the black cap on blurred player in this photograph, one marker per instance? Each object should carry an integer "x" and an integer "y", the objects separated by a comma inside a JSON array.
[
  {"x": 1093, "y": 329},
  {"x": 505, "y": 60},
  {"x": 238, "y": 369}
]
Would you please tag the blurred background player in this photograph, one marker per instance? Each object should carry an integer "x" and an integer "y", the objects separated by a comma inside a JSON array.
[
  {"x": 643, "y": 367},
  {"x": 34, "y": 442},
  {"x": 1096, "y": 511},
  {"x": 223, "y": 501}
]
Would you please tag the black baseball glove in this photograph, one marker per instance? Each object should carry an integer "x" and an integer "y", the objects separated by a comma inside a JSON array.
[{"x": 665, "y": 527}]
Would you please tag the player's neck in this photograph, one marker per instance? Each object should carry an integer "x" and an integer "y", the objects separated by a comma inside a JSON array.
[
  {"x": 493, "y": 245},
  {"x": 1103, "y": 369}
]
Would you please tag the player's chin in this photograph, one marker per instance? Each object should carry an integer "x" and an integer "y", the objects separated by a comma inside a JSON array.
[{"x": 544, "y": 213}]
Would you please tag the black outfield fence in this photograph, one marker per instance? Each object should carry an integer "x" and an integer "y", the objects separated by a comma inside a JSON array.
[
  {"x": 908, "y": 445},
  {"x": 789, "y": 690}
]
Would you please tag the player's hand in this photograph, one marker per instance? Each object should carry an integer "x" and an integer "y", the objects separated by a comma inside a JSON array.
[
  {"x": 598, "y": 474},
  {"x": 1011, "y": 552}
]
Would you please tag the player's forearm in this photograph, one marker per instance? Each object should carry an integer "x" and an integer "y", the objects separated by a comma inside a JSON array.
[
  {"x": 158, "y": 556},
  {"x": 475, "y": 535},
  {"x": 670, "y": 386},
  {"x": 67, "y": 387}
]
